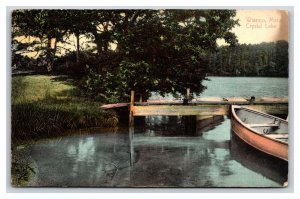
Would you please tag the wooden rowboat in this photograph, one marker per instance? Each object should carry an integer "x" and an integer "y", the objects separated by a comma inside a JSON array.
[{"x": 265, "y": 132}]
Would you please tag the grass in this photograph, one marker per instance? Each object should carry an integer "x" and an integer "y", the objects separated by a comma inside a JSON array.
[
  {"x": 26, "y": 89},
  {"x": 45, "y": 106}
]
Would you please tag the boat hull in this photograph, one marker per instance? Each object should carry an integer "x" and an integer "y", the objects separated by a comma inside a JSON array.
[{"x": 260, "y": 142}]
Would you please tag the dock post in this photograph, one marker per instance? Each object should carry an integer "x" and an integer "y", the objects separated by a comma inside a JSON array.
[
  {"x": 188, "y": 94},
  {"x": 131, "y": 118},
  {"x": 186, "y": 98},
  {"x": 131, "y": 145},
  {"x": 131, "y": 128},
  {"x": 190, "y": 124},
  {"x": 252, "y": 99}
]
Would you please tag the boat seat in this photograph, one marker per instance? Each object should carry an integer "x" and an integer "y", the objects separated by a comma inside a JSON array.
[
  {"x": 263, "y": 125},
  {"x": 279, "y": 136}
]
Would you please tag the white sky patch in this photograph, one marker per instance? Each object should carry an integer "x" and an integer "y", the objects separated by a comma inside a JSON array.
[{"x": 258, "y": 26}]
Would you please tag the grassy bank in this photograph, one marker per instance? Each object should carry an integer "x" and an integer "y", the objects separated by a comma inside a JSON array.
[{"x": 45, "y": 106}]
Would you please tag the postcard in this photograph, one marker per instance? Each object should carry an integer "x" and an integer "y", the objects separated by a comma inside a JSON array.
[{"x": 149, "y": 98}]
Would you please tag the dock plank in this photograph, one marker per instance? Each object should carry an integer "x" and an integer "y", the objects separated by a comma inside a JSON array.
[
  {"x": 203, "y": 109},
  {"x": 110, "y": 106},
  {"x": 180, "y": 110}
]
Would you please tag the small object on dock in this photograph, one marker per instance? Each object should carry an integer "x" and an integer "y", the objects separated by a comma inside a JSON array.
[
  {"x": 225, "y": 99},
  {"x": 252, "y": 99},
  {"x": 185, "y": 101}
]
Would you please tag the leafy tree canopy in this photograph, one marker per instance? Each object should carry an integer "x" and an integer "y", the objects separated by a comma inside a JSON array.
[{"x": 162, "y": 51}]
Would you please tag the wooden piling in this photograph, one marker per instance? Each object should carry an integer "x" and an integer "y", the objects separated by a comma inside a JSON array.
[
  {"x": 131, "y": 118},
  {"x": 186, "y": 97},
  {"x": 131, "y": 128},
  {"x": 252, "y": 100},
  {"x": 188, "y": 94},
  {"x": 131, "y": 144},
  {"x": 190, "y": 124}
]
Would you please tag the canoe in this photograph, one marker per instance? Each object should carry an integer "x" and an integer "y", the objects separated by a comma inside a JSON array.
[{"x": 262, "y": 131}]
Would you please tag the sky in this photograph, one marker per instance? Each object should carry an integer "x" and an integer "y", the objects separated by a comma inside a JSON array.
[{"x": 258, "y": 26}]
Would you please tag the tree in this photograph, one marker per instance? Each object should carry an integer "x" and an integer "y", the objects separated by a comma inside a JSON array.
[
  {"x": 282, "y": 58},
  {"x": 45, "y": 25},
  {"x": 172, "y": 48},
  {"x": 264, "y": 59},
  {"x": 76, "y": 22},
  {"x": 163, "y": 51}
]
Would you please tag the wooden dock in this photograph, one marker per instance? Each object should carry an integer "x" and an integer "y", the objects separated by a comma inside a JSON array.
[
  {"x": 203, "y": 109},
  {"x": 201, "y": 106}
]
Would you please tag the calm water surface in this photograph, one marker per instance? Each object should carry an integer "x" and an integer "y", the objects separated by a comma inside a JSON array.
[
  {"x": 243, "y": 87},
  {"x": 160, "y": 153},
  {"x": 162, "y": 157},
  {"x": 246, "y": 86}
]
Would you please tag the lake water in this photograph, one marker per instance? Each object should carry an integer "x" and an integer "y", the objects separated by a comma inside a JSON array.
[
  {"x": 243, "y": 87},
  {"x": 160, "y": 153},
  {"x": 246, "y": 86}
]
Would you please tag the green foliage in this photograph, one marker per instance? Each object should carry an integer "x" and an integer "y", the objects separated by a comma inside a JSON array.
[
  {"x": 156, "y": 50},
  {"x": 38, "y": 120},
  {"x": 135, "y": 76},
  {"x": 160, "y": 51},
  {"x": 282, "y": 58},
  {"x": 21, "y": 168},
  {"x": 100, "y": 87},
  {"x": 265, "y": 59},
  {"x": 45, "y": 107},
  {"x": 45, "y": 25},
  {"x": 172, "y": 45}
]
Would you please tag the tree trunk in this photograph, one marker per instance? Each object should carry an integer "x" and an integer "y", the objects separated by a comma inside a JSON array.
[
  {"x": 48, "y": 55},
  {"x": 105, "y": 37},
  {"x": 55, "y": 46},
  {"x": 97, "y": 41},
  {"x": 77, "y": 47}
]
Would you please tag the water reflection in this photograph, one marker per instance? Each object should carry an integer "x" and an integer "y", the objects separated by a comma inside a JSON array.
[
  {"x": 266, "y": 165},
  {"x": 131, "y": 145},
  {"x": 153, "y": 156}
]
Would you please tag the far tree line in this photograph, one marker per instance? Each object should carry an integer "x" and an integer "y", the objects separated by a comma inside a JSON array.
[{"x": 264, "y": 59}]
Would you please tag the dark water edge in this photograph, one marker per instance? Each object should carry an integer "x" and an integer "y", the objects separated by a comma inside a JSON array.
[{"x": 157, "y": 154}]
